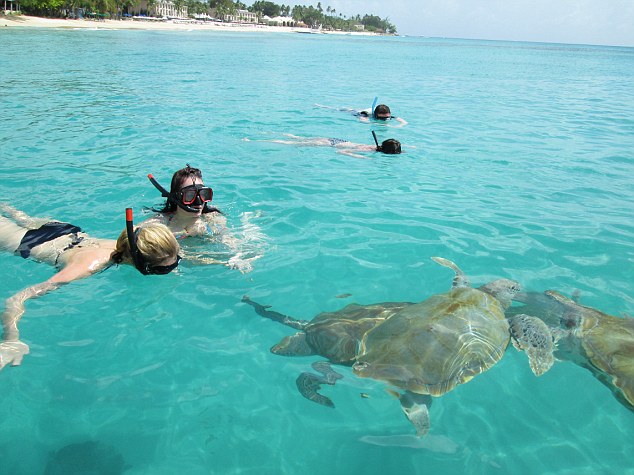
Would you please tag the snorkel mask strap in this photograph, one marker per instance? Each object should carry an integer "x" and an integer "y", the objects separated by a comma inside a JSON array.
[
  {"x": 134, "y": 250},
  {"x": 171, "y": 198},
  {"x": 378, "y": 147}
]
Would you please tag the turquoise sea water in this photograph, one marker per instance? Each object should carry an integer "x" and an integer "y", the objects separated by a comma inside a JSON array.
[{"x": 522, "y": 168}]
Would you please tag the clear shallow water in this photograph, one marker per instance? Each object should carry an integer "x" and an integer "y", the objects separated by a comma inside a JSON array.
[{"x": 522, "y": 169}]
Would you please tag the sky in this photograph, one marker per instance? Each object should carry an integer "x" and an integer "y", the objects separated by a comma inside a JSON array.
[{"x": 602, "y": 22}]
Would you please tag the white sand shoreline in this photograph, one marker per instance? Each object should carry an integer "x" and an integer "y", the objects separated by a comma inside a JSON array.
[{"x": 25, "y": 21}]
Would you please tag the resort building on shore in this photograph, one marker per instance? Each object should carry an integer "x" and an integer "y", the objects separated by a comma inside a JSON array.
[
  {"x": 278, "y": 21},
  {"x": 159, "y": 9},
  {"x": 240, "y": 16}
]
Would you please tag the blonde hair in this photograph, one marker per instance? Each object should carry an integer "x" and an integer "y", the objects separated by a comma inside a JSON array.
[{"x": 155, "y": 242}]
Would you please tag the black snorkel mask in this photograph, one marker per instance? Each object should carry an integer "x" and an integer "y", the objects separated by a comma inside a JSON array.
[
  {"x": 179, "y": 202},
  {"x": 378, "y": 147},
  {"x": 137, "y": 258}
]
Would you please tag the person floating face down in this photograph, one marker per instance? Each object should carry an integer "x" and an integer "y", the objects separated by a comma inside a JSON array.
[
  {"x": 381, "y": 113},
  {"x": 152, "y": 249},
  {"x": 344, "y": 147}
]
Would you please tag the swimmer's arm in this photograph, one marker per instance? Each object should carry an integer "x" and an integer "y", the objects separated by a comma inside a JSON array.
[
  {"x": 355, "y": 155},
  {"x": 401, "y": 122},
  {"x": 220, "y": 229},
  {"x": 329, "y": 107},
  {"x": 340, "y": 109},
  {"x": 12, "y": 350},
  {"x": 217, "y": 226},
  {"x": 81, "y": 267},
  {"x": 14, "y": 308},
  {"x": 285, "y": 142}
]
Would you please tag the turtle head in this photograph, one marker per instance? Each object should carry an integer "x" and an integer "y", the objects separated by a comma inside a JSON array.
[{"x": 503, "y": 290}]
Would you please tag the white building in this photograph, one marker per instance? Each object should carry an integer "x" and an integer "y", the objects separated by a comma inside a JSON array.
[
  {"x": 242, "y": 16},
  {"x": 160, "y": 9},
  {"x": 280, "y": 21}
]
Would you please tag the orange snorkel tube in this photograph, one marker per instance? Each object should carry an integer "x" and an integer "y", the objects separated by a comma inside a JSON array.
[{"x": 134, "y": 250}]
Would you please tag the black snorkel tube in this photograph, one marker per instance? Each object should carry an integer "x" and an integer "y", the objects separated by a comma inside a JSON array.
[
  {"x": 171, "y": 198},
  {"x": 378, "y": 147},
  {"x": 137, "y": 259}
]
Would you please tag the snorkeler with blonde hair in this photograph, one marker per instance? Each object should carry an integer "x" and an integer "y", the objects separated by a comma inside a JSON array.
[
  {"x": 344, "y": 147},
  {"x": 151, "y": 249}
]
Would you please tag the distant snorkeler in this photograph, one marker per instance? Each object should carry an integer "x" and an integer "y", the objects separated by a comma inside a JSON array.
[
  {"x": 151, "y": 249},
  {"x": 344, "y": 147},
  {"x": 188, "y": 212},
  {"x": 376, "y": 113}
]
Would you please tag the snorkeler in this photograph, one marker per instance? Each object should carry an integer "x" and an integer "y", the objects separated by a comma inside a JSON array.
[
  {"x": 188, "y": 212},
  {"x": 377, "y": 113},
  {"x": 151, "y": 249},
  {"x": 389, "y": 146}
]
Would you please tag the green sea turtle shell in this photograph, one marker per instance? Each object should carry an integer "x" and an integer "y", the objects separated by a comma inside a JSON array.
[
  {"x": 336, "y": 335},
  {"x": 433, "y": 346}
]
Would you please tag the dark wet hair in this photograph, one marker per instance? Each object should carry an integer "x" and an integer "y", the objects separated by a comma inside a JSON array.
[
  {"x": 381, "y": 109},
  {"x": 178, "y": 178},
  {"x": 390, "y": 146}
]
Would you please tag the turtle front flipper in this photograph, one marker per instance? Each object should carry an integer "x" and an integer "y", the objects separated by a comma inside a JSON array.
[
  {"x": 263, "y": 310},
  {"x": 309, "y": 384},
  {"x": 532, "y": 335},
  {"x": 416, "y": 409}
]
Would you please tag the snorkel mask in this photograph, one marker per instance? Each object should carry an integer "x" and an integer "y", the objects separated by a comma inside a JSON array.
[
  {"x": 196, "y": 195},
  {"x": 381, "y": 109},
  {"x": 137, "y": 258}
]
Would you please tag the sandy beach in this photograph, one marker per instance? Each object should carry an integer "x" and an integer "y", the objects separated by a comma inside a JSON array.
[{"x": 24, "y": 21}]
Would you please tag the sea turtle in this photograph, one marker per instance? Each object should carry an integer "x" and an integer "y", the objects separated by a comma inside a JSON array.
[
  {"x": 427, "y": 349},
  {"x": 602, "y": 343},
  {"x": 333, "y": 335}
]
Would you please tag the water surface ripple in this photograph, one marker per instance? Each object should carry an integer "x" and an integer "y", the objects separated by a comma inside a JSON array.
[{"x": 518, "y": 163}]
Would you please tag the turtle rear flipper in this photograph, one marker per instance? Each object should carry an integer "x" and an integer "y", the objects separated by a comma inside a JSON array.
[
  {"x": 309, "y": 384},
  {"x": 532, "y": 335},
  {"x": 416, "y": 409}
]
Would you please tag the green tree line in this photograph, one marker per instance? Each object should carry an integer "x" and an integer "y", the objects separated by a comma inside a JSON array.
[
  {"x": 317, "y": 16},
  {"x": 312, "y": 16}
]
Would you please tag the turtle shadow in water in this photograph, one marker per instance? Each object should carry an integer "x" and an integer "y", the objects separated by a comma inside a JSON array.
[
  {"x": 90, "y": 457},
  {"x": 424, "y": 349}
]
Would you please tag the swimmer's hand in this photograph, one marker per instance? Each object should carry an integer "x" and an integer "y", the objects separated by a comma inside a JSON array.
[
  {"x": 12, "y": 352},
  {"x": 244, "y": 265}
]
